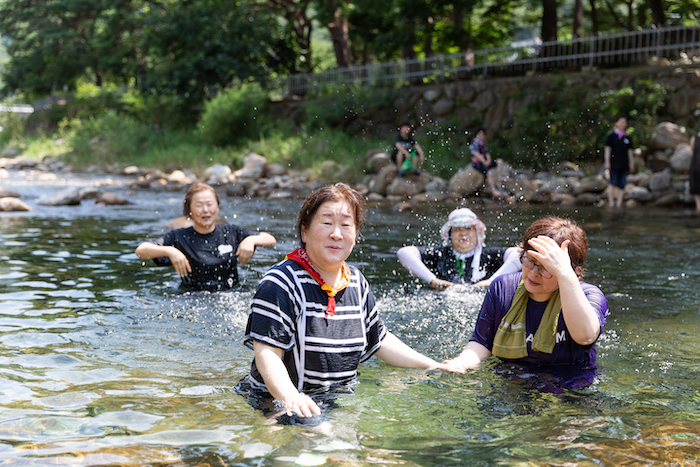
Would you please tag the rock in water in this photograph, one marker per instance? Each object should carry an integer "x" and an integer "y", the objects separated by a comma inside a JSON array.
[
  {"x": 112, "y": 199},
  {"x": 11, "y": 204}
]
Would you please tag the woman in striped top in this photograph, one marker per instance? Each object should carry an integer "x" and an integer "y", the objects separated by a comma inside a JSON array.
[{"x": 313, "y": 319}]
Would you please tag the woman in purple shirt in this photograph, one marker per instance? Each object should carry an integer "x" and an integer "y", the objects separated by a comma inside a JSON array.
[{"x": 545, "y": 315}]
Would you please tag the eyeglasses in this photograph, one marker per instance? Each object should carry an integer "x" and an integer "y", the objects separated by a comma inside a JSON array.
[{"x": 530, "y": 264}]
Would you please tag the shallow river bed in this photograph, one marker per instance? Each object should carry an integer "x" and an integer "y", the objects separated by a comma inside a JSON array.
[{"x": 104, "y": 362}]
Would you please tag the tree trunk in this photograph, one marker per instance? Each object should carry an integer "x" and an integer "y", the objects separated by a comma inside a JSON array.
[
  {"x": 338, "y": 29},
  {"x": 461, "y": 36},
  {"x": 300, "y": 26},
  {"x": 630, "y": 15},
  {"x": 549, "y": 29},
  {"x": 658, "y": 15},
  {"x": 578, "y": 18},
  {"x": 428, "y": 43},
  {"x": 595, "y": 28},
  {"x": 613, "y": 14}
]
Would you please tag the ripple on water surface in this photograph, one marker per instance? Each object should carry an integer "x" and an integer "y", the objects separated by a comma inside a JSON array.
[{"x": 105, "y": 362}]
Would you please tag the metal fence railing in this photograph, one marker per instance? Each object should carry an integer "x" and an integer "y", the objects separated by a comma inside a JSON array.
[
  {"x": 17, "y": 108},
  {"x": 620, "y": 49}
]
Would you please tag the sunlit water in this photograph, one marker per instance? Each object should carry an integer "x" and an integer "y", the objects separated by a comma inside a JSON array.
[{"x": 104, "y": 362}]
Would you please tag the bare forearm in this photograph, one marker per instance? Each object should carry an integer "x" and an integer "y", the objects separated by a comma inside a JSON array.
[
  {"x": 269, "y": 361},
  {"x": 580, "y": 317},
  {"x": 273, "y": 371},
  {"x": 402, "y": 150},
  {"x": 419, "y": 150},
  {"x": 630, "y": 160},
  {"x": 264, "y": 240},
  {"x": 394, "y": 352},
  {"x": 148, "y": 250},
  {"x": 472, "y": 355},
  {"x": 479, "y": 157}
]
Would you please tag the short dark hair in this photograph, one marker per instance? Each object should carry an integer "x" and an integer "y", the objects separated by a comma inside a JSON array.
[
  {"x": 619, "y": 116},
  {"x": 193, "y": 190},
  {"x": 336, "y": 192},
  {"x": 480, "y": 129},
  {"x": 560, "y": 229},
  {"x": 408, "y": 124}
]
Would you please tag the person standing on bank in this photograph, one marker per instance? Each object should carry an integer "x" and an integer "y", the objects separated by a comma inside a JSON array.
[
  {"x": 314, "y": 319},
  {"x": 205, "y": 255},
  {"x": 619, "y": 161},
  {"x": 462, "y": 258},
  {"x": 483, "y": 162},
  {"x": 695, "y": 171},
  {"x": 406, "y": 149},
  {"x": 545, "y": 315}
]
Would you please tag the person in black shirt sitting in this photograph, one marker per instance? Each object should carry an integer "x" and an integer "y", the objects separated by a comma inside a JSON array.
[
  {"x": 205, "y": 255},
  {"x": 407, "y": 154}
]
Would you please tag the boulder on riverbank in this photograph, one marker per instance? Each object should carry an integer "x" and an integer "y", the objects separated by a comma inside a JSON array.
[
  {"x": 661, "y": 180},
  {"x": 110, "y": 198},
  {"x": 565, "y": 184},
  {"x": 12, "y": 204},
  {"x": 69, "y": 196}
]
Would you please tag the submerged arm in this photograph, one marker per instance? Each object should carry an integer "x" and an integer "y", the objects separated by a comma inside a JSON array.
[
  {"x": 268, "y": 359},
  {"x": 394, "y": 352},
  {"x": 473, "y": 354}
]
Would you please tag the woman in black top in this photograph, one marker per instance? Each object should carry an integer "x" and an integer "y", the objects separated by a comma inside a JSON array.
[
  {"x": 205, "y": 255},
  {"x": 619, "y": 161},
  {"x": 695, "y": 171},
  {"x": 462, "y": 258}
]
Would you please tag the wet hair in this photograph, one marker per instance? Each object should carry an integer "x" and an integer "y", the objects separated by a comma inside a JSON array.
[
  {"x": 560, "y": 229},
  {"x": 193, "y": 190},
  {"x": 336, "y": 192}
]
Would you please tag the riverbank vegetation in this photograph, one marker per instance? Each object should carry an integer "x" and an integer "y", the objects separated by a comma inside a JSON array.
[
  {"x": 113, "y": 128},
  {"x": 187, "y": 84}
]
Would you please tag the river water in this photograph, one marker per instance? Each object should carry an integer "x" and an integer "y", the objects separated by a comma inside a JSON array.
[{"x": 104, "y": 362}]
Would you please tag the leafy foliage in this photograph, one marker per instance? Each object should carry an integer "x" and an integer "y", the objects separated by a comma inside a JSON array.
[
  {"x": 112, "y": 139},
  {"x": 54, "y": 43},
  {"x": 234, "y": 115},
  {"x": 197, "y": 48},
  {"x": 564, "y": 122},
  {"x": 641, "y": 102},
  {"x": 336, "y": 106},
  {"x": 12, "y": 125}
]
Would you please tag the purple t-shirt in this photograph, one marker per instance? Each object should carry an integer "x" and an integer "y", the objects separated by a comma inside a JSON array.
[{"x": 497, "y": 302}]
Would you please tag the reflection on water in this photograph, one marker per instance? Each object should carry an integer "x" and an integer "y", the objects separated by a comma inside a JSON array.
[{"x": 104, "y": 362}]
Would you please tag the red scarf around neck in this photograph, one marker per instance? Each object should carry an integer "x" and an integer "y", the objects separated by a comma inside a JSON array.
[{"x": 300, "y": 256}]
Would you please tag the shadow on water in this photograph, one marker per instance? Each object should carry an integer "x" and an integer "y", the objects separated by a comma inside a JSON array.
[{"x": 104, "y": 362}]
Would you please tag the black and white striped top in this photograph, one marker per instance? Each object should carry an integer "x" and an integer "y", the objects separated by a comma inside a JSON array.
[{"x": 330, "y": 349}]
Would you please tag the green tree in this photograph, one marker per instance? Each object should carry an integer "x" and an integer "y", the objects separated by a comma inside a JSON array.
[
  {"x": 299, "y": 26},
  {"x": 54, "y": 43},
  {"x": 197, "y": 48}
]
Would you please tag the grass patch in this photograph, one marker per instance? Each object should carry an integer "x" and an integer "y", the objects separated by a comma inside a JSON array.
[
  {"x": 42, "y": 145},
  {"x": 114, "y": 141},
  {"x": 309, "y": 149}
]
